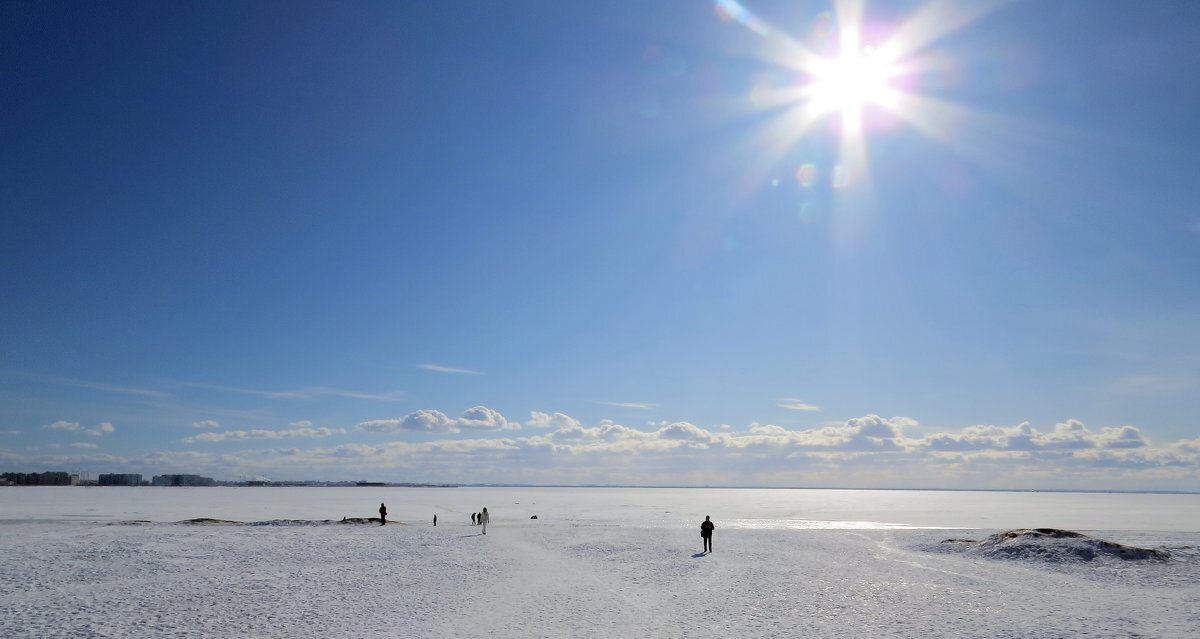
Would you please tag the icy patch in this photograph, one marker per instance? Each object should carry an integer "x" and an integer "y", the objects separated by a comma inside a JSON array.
[
  {"x": 1054, "y": 545},
  {"x": 818, "y": 524}
]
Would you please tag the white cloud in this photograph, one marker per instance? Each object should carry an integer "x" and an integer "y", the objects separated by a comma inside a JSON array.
[
  {"x": 484, "y": 418},
  {"x": 797, "y": 404},
  {"x": 1069, "y": 435},
  {"x": 905, "y": 422},
  {"x": 437, "y": 368},
  {"x": 433, "y": 421},
  {"x": 101, "y": 429},
  {"x": 12, "y": 432},
  {"x": 207, "y": 424},
  {"x": 1120, "y": 437},
  {"x": 83, "y": 445},
  {"x": 304, "y": 432},
  {"x": 684, "y": 431},
  {"x": 430, "y": 421},
  {"x": 547, "y": 420}
]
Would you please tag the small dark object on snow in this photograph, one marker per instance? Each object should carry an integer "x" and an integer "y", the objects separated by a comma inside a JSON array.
[{"x": 533, "y": 517}]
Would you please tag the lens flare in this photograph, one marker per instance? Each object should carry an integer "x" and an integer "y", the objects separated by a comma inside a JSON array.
[{"x": 806, "y": 175}]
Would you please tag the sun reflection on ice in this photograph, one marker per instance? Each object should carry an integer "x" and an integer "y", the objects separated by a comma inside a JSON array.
[{"x": 819, "y": 524}]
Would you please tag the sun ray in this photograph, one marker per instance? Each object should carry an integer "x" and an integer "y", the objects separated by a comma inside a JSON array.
[
  {"x": 774, "y": 47},
  {"x": 935, "y": 20},
  {"x": 985, "y": 138}
]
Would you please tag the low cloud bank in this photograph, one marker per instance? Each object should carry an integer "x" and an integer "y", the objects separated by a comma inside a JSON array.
[{"x": 866, "y": 451}]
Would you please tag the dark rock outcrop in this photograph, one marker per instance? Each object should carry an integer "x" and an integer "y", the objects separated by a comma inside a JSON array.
[{"x": 1053, "y": 544}]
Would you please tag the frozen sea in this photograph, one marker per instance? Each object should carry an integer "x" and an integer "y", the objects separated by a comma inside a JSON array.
[{"x": 597, "y": 562}]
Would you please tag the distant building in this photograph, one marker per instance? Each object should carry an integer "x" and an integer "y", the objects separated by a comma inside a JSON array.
[
  {"x": 36, "y": 479},
  {"x": 182, "y": 480},
  {"x": 120, "y": 479}
]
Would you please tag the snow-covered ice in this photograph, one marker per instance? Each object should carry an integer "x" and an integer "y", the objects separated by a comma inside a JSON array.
[{"x": 596, "y": 563}]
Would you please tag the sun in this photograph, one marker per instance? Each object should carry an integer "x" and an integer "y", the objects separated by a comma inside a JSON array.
[
  {"x": 870, "y": 80},
  {"x": 858, "y": 77}
]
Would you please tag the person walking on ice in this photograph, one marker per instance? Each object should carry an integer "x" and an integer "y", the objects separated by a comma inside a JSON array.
[
  {"x": 382, "y": 514},
  {"x": 484, "y": 519},
  {"x": 706, "y": 530}
]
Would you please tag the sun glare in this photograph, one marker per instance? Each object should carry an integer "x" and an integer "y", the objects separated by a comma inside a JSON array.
[
  {"x": 859, "y": 76},
  {"x": 867, "y": 79}
]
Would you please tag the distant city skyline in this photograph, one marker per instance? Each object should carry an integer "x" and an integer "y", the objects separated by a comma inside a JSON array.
[{"x": 852, "y": 244}]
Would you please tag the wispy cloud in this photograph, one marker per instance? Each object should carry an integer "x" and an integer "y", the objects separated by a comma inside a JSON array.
[
  {"x": 207, "y": 424},
  {"x": 311, "y": 392},
  {"x": 301, "y": 430},
  {"x": 75, "y": 427},
  {"x": 88, "y": 384},
  {"x": 634, "y": 405},
  {"x": 83, "y": 445},
  {"x": 1151, "y": 384},
  {"x": 792, "y": 403},
  {"x": 438, "y": 368}
]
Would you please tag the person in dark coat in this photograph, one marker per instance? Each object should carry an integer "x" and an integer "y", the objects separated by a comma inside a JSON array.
[
  {"x": 706, "y": 531},
  {"x": 435, "y": 521},
  {"x": 472, "y": 519},
  {"x": 382, "y": 514}
]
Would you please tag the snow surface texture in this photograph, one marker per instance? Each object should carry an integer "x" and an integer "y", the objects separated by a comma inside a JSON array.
[
  {"x": 538, "y": 579},
  {"x": 277, "y": 562}
]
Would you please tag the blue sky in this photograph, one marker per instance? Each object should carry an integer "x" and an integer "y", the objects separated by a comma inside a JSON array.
[{"x": 557, "y": 242}]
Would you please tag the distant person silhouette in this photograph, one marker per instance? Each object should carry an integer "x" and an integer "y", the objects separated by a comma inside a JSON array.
[
  {"x": 706, "y": 530},
  {"x": 435, "y": 521},
  {"x": 484, "y": 519},
  {"x": 472, "y": 519},
  {"x": 382, "y": 514}
]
